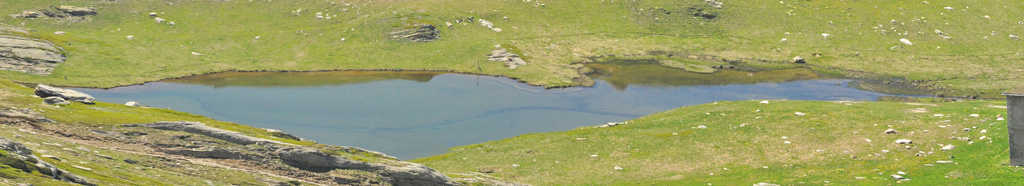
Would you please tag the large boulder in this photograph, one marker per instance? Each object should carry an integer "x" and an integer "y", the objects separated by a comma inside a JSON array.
[
  {"x": 55, "y": 100},
  {"x": 68, "y": 94}
]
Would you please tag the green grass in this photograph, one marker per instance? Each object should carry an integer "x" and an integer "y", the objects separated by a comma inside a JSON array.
[
  {"x": 739, "y": 143},
  {"x": 551, "y": 37}
]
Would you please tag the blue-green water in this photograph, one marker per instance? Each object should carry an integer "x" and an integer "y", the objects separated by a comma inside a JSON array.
[{"x": 417, "y": 114}]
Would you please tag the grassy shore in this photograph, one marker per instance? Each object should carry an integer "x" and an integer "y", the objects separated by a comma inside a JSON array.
[
  {"x": 863, "y": 38},
  {"x": 745, "y": 142}
]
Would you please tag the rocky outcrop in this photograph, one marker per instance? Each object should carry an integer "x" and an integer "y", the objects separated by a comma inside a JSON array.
[
  {"x": 57, "y": 12},
  {"x": 21, "y": 157},
  {"x": 511, "y": 60},
  {"x": 418, "y": 33},
  {"x": 200, "y": 128},
  {"x": 24, "y": 114},
  {"x": 54, "y": 100},
  {"x": 27, "y": 55},
  {"x": 68, "y": 94},
  {"x": 302, "y": 157}
]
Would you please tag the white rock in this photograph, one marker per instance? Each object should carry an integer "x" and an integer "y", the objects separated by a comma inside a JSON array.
[
  {"x": 152, "y": 14},
  {"x": 868, "y": 140},
  {"x": 593, "y": 156},
  {"x": 515, "y": 165},
  {"x": 825, "y": 35},
  {"x": 984, "y": 131},
  {"x": 196, "y": 54},
  {"x": 131, "y": 104},
  {"x": 784, "y": 137},
  {"x": 975, "y": 115},
  {"x": 59, "y": 33},
  {"x": 159, "y": 20},
  {"x": 783, "y": 40},
  {"x": 938, "y": 115},
  {"x": 904, "y": 141},
  {"x": 764, "y": 102},
  {"x": 943, "y": 161},
  {"x": 948, "y": 147},
  {"x": 890, "y": 131},
  {"x": 702, "y": 127},
  {"x": 618, "y": 168},
  {"x": 901, "y": 173},
  {"x": 800, "y": 114},
  {"x": 898, "y": 177},
  {"x": 1000, "y": 119},
  {"x": 130, "y": 37},
  {"x": 948, "y": 8},
  {"x": 906, "y": 41},
  {"x": 787, "y": 142},
  {"x": 765, "y": 184}
]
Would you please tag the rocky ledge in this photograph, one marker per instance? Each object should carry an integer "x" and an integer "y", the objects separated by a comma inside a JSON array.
[
  {"x": 418, "y": 33},
  {"x": 28, "y": 55}
]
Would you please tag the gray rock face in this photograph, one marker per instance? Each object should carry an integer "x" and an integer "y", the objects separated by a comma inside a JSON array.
[
  {"x": 311, "y": 158},
  {"x": 54, "y": 100},
  {"x": 68, "y": 94},
  {"x": 29, "y": 55},
  {"x": 511, "y": 60},
  {"x": 418, "y": 33}
]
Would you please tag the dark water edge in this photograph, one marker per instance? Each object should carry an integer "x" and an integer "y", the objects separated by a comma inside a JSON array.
[{"x": 417, "y": 114}]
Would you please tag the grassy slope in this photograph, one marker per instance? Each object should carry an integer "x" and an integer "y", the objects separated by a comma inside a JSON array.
[
  {"x": 552, "y": 36},
  {"x": 727, "y": 153}
]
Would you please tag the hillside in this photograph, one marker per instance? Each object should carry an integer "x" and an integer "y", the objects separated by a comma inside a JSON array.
[
  {"x": 963, "y": 50},
  {"x": 746, "y": 142}
]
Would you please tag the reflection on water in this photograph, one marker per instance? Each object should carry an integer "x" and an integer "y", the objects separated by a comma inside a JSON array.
[
  {"x": 622, "y": 74},
  {"x": 417, "y": 114},
  {"x": 300, "y": 79}
]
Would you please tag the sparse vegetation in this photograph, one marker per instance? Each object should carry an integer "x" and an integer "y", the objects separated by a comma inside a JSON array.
[{"x": 745, "y": 142}]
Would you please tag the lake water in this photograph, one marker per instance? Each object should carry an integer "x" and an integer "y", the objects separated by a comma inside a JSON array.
[{"x": 417, "y": 114}]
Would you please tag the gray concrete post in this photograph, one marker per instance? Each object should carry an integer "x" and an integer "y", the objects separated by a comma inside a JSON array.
[{"x": 1015, "y": 110}]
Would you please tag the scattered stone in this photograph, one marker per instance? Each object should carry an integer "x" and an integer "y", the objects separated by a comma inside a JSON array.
[
  {"x": 860, "y": 178},
  {"x": 943, "y": 161},
  {"x": 196, "y": 54},
  {"x": 967, "y": 129},
  {"x": 593, "y": 156},
  {"x": 29, "y": 14},
  {"x": 765, "y": 184},
  {"x": 984, "y": 131},
  {"x": 449, "y": 24},
  {"x": 49, "y": 156},
  {"x": 68, "y": 94},
  {"x": 55, "y": 100},
  {"x": 948, "y": 8},
  {"x": 702, "y": 127},
  {"x": 131, "y": 161},
  {"x": 897, "y": 177},
  {"x": 800, "y": 114},
  {"x": 799, "y": 59},
  {"x": 130, "y": 37},
  {"x": 59, "y": 33},
  {"x": 948, "y": 147},
  {"x": 515, "y": 165},
  {"x": 1014, "y": 37},
  {"x": 511, "y": 60},
  {"x": 764, "y": 102},
  {"x": 159, "y": 20},
  {"x": 152, "y": 14},
  {"x": 418, "y": 33},
  {"x": 975, "y": 115},
  {"x": 904, "y": 141},
  {"x": 618, "y": 168},
  {"x": 81, "y": 167},
  {"x": 132, "y": 104},
  {"x": 891, "y": 131}
]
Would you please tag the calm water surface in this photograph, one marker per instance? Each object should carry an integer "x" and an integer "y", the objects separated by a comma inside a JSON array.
[{"x": 417, "y": 114}]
